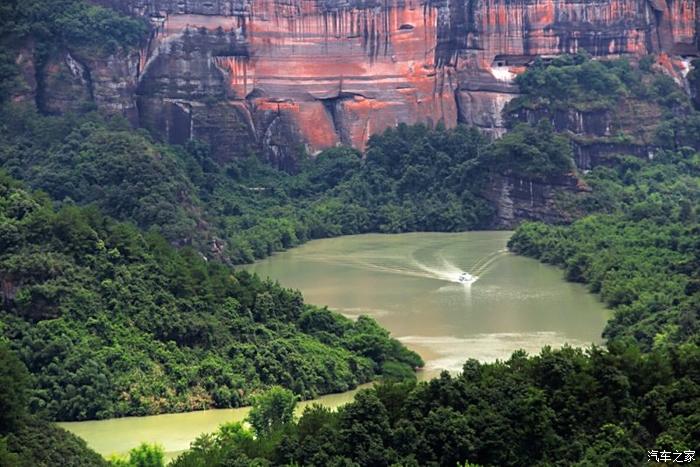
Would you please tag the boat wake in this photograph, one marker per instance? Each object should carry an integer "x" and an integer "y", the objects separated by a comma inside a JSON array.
[
  {"x": 447, "y": 272},
  {"x": 432, "y": 265}
]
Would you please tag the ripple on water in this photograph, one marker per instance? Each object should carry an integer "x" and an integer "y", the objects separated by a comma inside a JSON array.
[
  {"x": 449, "y": 353},
  {"x": 355, "y": 312}
]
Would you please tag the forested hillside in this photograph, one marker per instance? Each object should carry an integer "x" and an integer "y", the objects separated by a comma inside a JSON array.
[
  {"x": 28, "y": 440},
  {"x": 645, "y": 258},
  {"x": 411, "y": 179},
  {"x": 637, "y": 244},
  {"x": 113, "y": 322},
  {"x": 562, "y": 407},
  {"x": 118, "y": 296}
]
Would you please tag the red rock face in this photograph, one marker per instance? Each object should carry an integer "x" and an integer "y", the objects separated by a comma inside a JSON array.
[
  {"x": 338, "y": 76},
  {"x": 319, "y": 73}
]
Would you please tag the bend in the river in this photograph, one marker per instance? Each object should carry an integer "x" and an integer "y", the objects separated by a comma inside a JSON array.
[{"x": 448, "y": 296}]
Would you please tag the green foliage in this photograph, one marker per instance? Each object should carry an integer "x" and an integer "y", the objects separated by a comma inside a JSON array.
[
  {"x": 75, "y": 22},
  {"x": 232, "y": 445},
  {"x": 27, "y": 440},
  {"x": 679, "y": 132},
  {"x": 90, "y": 160},
  {"x": 571, "y": 79},
  {"x": 411, "y": 179},
  {"x": 144, "y": 455},
  {"x": 111, "y": 321},
  {"x": 531, "y": 152},
  {"x": 271, "y": 410},
  {"x": 642, "y": 255},
  {"x": 14, "y": 380},
  {"x": 561, "y": 407},
  {"x": 580, "y": 83},
  {"x": 39, "y": 443}
]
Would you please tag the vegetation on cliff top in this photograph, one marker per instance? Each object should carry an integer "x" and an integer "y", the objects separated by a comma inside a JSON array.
[
  {"x": 43, "y": 26},
  {"x": 579, "y": 83},
  {"x": 76, "y": 23}
]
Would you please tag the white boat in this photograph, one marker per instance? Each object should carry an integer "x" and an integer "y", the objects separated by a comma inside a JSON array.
[{"x": 465, "y": 277}]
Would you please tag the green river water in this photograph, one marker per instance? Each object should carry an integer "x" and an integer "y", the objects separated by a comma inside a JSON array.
[{"x": 410, "y": 283}]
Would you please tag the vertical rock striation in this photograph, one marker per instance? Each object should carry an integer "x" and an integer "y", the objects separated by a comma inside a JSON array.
[
  {"x": 282, "y": 75},
  {"x": 295, "y": 73}
]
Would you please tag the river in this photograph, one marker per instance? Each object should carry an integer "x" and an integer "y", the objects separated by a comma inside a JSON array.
[{"x": 410, "y": 283}]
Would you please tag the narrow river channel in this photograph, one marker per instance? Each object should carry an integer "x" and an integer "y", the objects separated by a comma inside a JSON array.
[{"x": 447, "y": 296}]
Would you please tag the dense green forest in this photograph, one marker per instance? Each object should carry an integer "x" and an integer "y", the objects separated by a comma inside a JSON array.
[
  {"x": 577, "y": 82},
  {"x": 412, "y": 178},
  {"x": 637, "y": 245},
  {"x": 119, "y": 299},
  {"x": 562, "y": 407},
  {"x": 111, "y": 321},
  {"x": 28, "y": 440}
]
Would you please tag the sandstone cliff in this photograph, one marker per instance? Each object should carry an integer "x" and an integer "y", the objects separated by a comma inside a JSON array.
[
  {"x": 282, "y": 75},
  {"x": 516, "y": 199}
]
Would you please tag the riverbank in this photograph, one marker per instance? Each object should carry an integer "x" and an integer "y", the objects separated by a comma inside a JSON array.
[
  {"x": 409, "y": 284},
  {"x": 174, "y": 432}
]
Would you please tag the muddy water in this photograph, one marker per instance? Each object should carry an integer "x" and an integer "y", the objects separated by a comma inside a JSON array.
[
  {"x": 174, "y": 432},
  {"x": 411, "y": 284}
]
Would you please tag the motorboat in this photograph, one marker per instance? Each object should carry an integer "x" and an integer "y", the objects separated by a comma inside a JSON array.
[{"x": 465, "y": 277}]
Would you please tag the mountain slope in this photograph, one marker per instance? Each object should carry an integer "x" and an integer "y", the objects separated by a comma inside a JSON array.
[{"x": 114, "y": 322}]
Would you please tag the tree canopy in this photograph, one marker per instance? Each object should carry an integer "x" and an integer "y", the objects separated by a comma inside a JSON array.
[{"x": 111, "y": 321}]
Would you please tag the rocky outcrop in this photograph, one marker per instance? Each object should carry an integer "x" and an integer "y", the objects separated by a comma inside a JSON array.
[
  {"x": 593, "y": 133},
  {"x": 597, "y": 152},
  {"x": 64, "y": 85},
  {"x": 71, "y": 80},
  {"x": 316, "y": 73},
  {"x": 517, "y": 199},
  {"x": 291, "y": 75}
]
